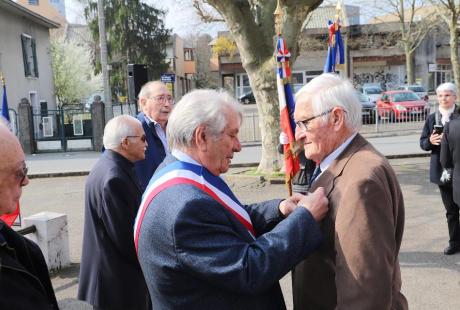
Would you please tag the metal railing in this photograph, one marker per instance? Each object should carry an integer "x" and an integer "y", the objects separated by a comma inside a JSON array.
[
  {"x": 27, "y": 230},
  {"x": 373, "y": 122}
]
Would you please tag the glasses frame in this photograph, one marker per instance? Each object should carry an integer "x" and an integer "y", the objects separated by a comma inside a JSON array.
[
  {"x": 143, "y": 138},
  {"x": 22, "y": 174},
  {"x": 303, "y": 124},
  {"x": 166, "y": 98}
]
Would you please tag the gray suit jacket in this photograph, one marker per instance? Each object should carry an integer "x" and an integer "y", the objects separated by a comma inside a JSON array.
[
  {"x": 357, "y": 266},
  {"x": 196, "y": 255}
]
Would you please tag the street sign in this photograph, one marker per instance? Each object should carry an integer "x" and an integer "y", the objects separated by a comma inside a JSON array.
[
  {"x": 432, "y": 67},
  {"x": 168, "y": 77}
]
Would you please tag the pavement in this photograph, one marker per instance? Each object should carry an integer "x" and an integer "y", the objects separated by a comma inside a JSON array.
[
  {"x": 80, "y": 163},
  {"x": 430, "y": 279}
]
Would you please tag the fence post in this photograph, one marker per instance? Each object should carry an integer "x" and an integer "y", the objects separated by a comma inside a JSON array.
[
  {"x": 98, "y": 123},
  {"x": 253, "y": 127},
  {"x": 52, "y": 237},
  {"x": 25, "y": 127}
]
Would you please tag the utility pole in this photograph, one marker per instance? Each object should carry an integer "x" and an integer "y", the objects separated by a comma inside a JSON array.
[{"x": 104, "y": 65}]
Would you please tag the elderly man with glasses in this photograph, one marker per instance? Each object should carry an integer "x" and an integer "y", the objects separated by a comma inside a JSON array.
[
  {"x": 110, "y": 274},
  {"x": 24, "y": 278},
  {"x": 357, "y": 266},
  {"x": 155, "y": 104}
]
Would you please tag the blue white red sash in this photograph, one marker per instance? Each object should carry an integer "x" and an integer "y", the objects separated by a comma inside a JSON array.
[{"x": 180, "y": 172}]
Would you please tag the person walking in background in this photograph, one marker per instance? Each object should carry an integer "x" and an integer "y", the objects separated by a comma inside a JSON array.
[
  {"x": 198, "y": 246},
  {"x": 155, "y": 103},
  {"x": 357, "y": 266},
  {"x": 110, "y": 274},
  {"x": 24, "y": 279},
  {"x": 430, "y": 140}
]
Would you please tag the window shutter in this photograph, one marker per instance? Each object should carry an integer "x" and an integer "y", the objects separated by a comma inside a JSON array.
[
  {"x": 34, "y": 52},
  {"x": 24, "y": 55}
]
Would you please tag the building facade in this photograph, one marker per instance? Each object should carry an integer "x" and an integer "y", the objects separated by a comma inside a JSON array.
[{"x": 25, "y": 60}]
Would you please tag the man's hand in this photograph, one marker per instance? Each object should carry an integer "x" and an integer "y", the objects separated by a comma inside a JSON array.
[
  {"x": 435, "y": 139},
  {"x": 289, "y": 205},
  {"x": 316, "y": 202}
]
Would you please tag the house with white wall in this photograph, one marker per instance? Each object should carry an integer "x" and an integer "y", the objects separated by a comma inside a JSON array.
[{"x": 25, "y": 59}]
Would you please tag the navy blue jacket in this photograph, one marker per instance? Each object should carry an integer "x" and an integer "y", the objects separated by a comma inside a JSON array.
[
  {"x": 154, "y": 154},
  {"x": 425, "y": 144},
  {"x": 110, "y": 274},
  {"x": 24, "y": 279},
  {"x": 196, "y": 255}
]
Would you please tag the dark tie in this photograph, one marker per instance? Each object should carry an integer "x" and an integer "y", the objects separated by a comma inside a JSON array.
[{"x": 315, "y": 174}]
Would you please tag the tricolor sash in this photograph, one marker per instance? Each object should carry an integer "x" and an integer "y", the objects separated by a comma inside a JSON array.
[{"x": 180, "y": 172}]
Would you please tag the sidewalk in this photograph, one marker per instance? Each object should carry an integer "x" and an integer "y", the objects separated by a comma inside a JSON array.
[{"x": 80, "y": 163}]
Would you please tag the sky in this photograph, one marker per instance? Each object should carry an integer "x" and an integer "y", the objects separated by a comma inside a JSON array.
[{"x": 180, "y": 16}]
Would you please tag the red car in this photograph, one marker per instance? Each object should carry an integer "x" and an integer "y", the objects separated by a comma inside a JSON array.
[{"x": 402, "y": 105}]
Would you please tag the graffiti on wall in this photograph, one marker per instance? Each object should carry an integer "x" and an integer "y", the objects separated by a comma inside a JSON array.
[{"x": 388, "y": 79}]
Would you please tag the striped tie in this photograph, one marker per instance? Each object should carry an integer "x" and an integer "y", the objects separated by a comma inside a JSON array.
[{"x": 315, "y": 174}]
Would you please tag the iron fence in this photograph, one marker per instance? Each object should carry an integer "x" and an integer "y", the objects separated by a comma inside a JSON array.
[{"x": 373, "y": 121}]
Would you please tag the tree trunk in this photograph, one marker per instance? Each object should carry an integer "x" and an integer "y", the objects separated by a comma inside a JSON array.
[
  {"x": 263, "y": 83},
  {"x": 454, "y": 50},
  {"x": 409, "y": 65},
  {"x": 254, "y": 34},
  {"x": 104, "y": 62}
]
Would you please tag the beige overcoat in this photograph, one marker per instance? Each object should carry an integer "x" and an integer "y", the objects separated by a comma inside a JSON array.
[{"x": 357, "y": 265}]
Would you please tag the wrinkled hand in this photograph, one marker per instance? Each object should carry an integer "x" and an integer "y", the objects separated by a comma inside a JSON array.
[
  {"x": 316, "y": 202},
  {"x": 290, "y": 204},
  {"x": 435, "y": 139}
]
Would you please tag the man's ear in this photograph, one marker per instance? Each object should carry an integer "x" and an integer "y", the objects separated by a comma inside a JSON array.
[
  {"x": 338, "y": 118},
  {"x": 201, "y": 137},
  {"x": 141, "y": 103}
]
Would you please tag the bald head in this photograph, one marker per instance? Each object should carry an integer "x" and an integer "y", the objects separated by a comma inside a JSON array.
[{"x": 11, "y": 169}]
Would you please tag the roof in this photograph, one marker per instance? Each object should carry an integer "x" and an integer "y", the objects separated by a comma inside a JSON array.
[
  {"x": 18, "y": 9},
  {"x": 319, "y": 17}
]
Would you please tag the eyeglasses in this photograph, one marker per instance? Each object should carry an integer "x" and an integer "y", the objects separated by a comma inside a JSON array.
[
  {"x": 163, "y": 99},
  {"x": 22, "y": 174},
  {"x": 143, "y": 138},
  {"x": 304, "y": 124}
]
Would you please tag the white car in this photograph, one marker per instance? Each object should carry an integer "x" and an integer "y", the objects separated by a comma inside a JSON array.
[
  {"x": 91, "y": 98},
  {"x": 373, "y": 92},
  {"x": 418, "y": 89}
]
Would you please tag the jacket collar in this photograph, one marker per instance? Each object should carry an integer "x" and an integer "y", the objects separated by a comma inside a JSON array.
[
  {"x": 328, "y": 177},
  {"x": 124, "y": 163}
]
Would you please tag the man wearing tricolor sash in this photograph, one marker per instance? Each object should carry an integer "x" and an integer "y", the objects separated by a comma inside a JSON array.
[{"x": 199, "y": 247}]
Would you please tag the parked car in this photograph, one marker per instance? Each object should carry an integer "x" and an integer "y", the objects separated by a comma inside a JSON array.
[
  {"x": 247, "y": 98},
  {"x": 418, "y": 89},
  {"x": 402, "y": 105},
  {"x": 373, "y": 92},
  {"x": 368, "y": 108}
]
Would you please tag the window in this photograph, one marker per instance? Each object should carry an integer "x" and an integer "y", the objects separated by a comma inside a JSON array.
[
  {"x": 33, "y": 2},
  {"x": 296, "y": 81},
  {"x": 188, "y": 55},
  {"x": 29, "y": 56},
  {"x": 242, "y": 84}
]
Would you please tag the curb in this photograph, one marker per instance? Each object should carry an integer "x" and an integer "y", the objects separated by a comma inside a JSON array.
[{"x": 240, "y": 165}]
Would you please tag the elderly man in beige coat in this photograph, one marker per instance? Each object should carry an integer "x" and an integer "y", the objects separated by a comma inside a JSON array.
[{"x": 357, "y": 266}]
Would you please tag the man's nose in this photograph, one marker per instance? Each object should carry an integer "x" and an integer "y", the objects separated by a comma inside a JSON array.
[
  {"x": 237, "y": 145},
  {"x": 299, "y": 133}
]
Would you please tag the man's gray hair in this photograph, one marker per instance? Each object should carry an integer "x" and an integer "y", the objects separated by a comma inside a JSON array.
[
  {"x": 117, "y": 129},
  {"x": 145, "y": 91},
  {"x": 328, "y": 91},
  {"x": 447, "y": 87},
  {"x": 200, "y": 107}
]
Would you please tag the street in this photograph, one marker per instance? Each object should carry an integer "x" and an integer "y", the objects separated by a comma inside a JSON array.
[{"x": 430, "y": 279}]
